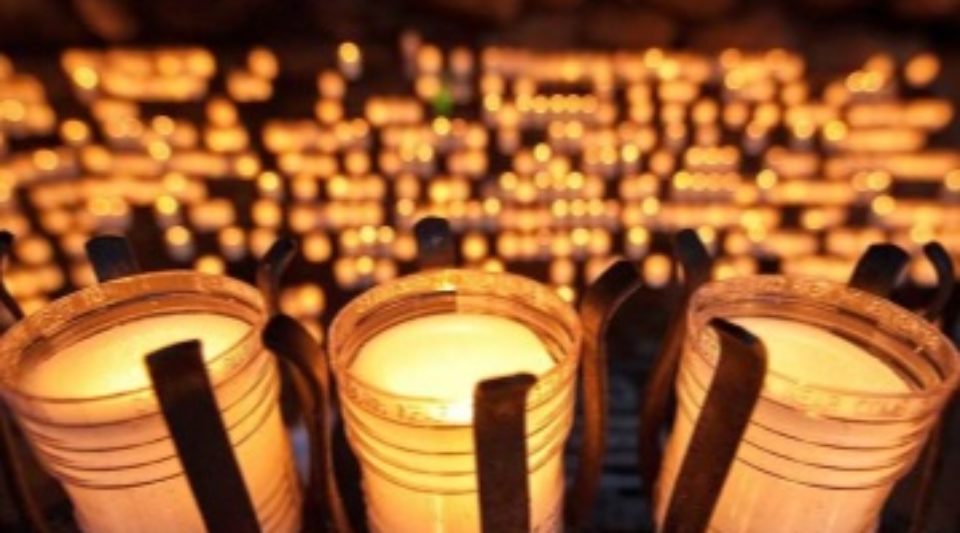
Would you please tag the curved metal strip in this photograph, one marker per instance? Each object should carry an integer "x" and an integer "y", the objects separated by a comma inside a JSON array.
[
  {"x": 112, "y": 257},
  {"x": 435, "y": 243},
  {"x": 270, "y": 270},
  {"x": 180, "y": 381},
  {"x": 601, "y": 302},
  {"x": 879, "y": 269},
  {"x": 10, "y": 312},
  {"x": 15, "y": 478},
  {"x": 500, "y": 440},
  {"x": 931, "y": 459},
  {"x": 658, "y": 399},
  {"x": 288, "y": 340},
  {"x": 942, "y": 263},
  {"x": 724, "y": 416}
]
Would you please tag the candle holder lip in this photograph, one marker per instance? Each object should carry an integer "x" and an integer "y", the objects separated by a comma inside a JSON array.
[
  {"x": 452, "y": 281},
  {"x": 837, "y": 295},
  {"x": 53, "y": 319},
  {"x": 554, "y": 426}
]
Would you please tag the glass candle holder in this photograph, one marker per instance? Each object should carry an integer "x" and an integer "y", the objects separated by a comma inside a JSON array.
[
  {"x": 74, "y": 375},
  {"x": 407, "y": 356},
  {"x": 853, "y": 387}
]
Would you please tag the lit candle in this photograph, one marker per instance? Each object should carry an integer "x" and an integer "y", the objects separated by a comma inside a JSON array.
[
  {"x": 478, "y": 346},
  {"x": 417, "y": 448},
  {"x": 840, "y": 365},
  {"x": 74, "y": 373}
]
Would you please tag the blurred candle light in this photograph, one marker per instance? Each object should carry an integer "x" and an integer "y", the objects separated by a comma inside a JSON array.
[
  {"x": 331, "y": 85},
  {"x": 657, "y": 270},
  {"x": 179, "y": 241},
  {"x": 210, "y": 264},
  {"x": 350, "y": 60},
  {"x": 232, "y": 241}
]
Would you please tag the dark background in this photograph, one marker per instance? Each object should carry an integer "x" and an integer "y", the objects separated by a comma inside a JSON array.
[{"x": 829, "y": 31}]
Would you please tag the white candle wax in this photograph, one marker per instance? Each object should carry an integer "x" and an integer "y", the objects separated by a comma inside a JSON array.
[
  {"x": 445, "y": 356},
  {"x": 111, "y": 361},
  {"x": 140, "y": 486},
  {"x": 756, "y": 499},
  {"x": 461, "y": 350},
  {"x": 817, "y": 357}
]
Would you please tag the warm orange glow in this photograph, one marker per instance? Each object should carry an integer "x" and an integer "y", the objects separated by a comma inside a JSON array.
[{"x": 348, "y": 52}]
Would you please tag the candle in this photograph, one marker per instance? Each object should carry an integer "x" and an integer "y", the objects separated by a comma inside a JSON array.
[
  {"x": 406, "y": 384},
  {"x": 478, "y": 346},
  {"x": 853, "y": 385},
  {"x": 74, "y": 373}
]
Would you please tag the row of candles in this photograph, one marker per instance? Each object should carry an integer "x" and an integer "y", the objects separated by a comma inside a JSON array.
[
  {"x": 400, "y": 384},
  {"x": 542, "y": 207},
  {"x": 570, "y": 202}
]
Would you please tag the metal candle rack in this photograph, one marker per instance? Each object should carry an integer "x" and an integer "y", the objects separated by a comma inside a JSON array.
[{"x": 188, "y": 405}]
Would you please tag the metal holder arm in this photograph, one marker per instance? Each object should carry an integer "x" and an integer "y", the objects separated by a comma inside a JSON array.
[
  {"x": 656, "y": 409},
  {"x": 112, "y": 257},
  {"x": 188, "y": 405},
  {"x": 435, "y": 244},
  {"x": 10, "y": 312},
  {"x": 500, "y": 440},
  {"x": 601, "y": 303},
  {"x": 270, "y": 270},
  {"x": 14, "y": 476},
  {"x": 929, "y": 465},
  {"x": 323, "y": 505},
  {"x": 942, "y": 263},
  {"x": 724, "y": 416},
  {"x": 879, "y": 269}
]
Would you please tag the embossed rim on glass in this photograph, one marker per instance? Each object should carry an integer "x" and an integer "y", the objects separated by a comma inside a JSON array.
[
  {"x": 826, "y": 303},
  {"x": 165, "y": 292},
  {"x": 451, "y": 290}
]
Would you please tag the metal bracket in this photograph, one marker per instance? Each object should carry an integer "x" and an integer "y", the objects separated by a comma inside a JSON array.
[
  {"x": 601, "y": 303},
  {"x": 323, "y": 505},
  {"x": 270, "y": 270},
  {"x": 112, "y": 257},
  {"x": 942, "y": 263},
  {"x": 879, "y": 269},
  {"x": 724, "y": 416},
  {"x": 931, "y": 459},
  {"x": 10, "y": 312},
  {"x": 656, "y": 408},
  {"x": 14, "y": 476},
  {"x": 435, "y": 243},
  {"x": 189, "y": 407},
  {"x": 500, "y": 440}
]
